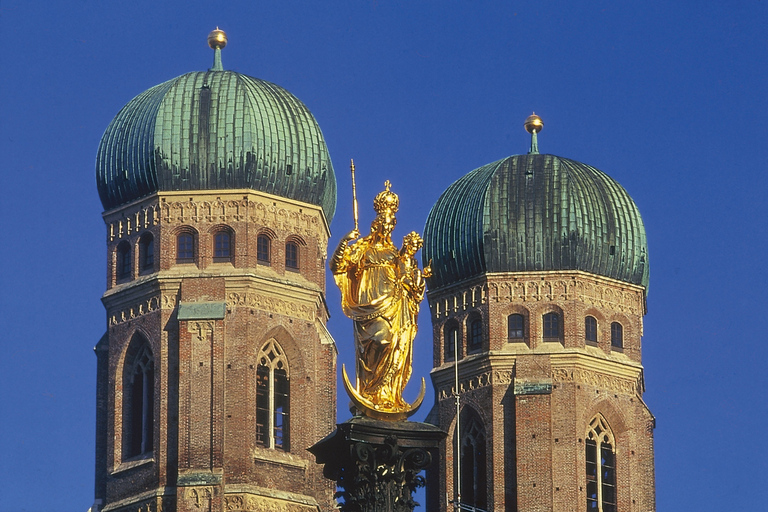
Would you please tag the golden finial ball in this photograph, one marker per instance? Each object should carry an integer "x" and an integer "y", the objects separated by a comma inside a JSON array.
[
  {"x": 217, "y": 39},
  {"x": 533, "y": 123}
]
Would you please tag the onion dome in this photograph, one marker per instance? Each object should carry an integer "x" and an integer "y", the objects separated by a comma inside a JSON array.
[
  {"x": 212, "y": 130},
  {"x": 535, "y": 212}
]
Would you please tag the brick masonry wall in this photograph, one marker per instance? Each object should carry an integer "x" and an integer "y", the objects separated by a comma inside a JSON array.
[
  {"x": 205, "y": 455},
  {"x": 537, "y": 440}
]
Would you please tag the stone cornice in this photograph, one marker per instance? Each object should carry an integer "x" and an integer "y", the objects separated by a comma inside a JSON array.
[
  {"x": 620, "y": 377},
  {"x": 528, "y": 287}
]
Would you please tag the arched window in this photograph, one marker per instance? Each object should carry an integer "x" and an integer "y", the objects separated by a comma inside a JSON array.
[
  {"x": 590, "y": 329},
  {"x": 185, "y": 248},
  {"x": 551, "y": 323},
  {"x": 451, "y": 341},
  {"x": 291, "y": 255},
  {"x": 516, "y": 327},
  {"x": 138, "y": 399},
  {"x": 123, "y": 260},
  {"x": 474, "y": 483},
  {"x": 222, "y": 246},
  {"x": 272, "y": 397},
  {"x": 147, "y": 252},
  {"x": 617, "y": 335},
  {"x": 601, "y": 466},
  {"x": 475, "y": 334},
  {"x": 262, "y": 249}
]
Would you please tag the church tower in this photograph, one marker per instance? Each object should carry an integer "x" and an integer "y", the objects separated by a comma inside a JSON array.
[
  {"x": 539, "y": 291},
  {"x": 216, "y": 371}
]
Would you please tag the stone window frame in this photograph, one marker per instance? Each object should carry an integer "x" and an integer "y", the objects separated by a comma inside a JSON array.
[
  {"x": 138, "y": 404},
  {"x": 600, "y": 457},
  {"x": 474, "y": 457},
  {"x": 272, "y": 387}
]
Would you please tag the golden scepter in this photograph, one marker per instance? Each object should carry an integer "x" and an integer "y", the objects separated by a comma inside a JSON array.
[{"x": 354, "y": 191}]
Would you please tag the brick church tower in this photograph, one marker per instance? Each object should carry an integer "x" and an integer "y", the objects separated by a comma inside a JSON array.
[
  {"x": 216, "y": 371},
  {"x": 540, "y": 280}
]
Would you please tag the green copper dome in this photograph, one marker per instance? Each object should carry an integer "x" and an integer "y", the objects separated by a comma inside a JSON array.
[
  {"x": 531, "y": 213},
  {"x": 215, "y": 130}
]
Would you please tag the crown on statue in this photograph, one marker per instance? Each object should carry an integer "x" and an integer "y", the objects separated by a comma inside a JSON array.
[{"x": 386, "y": 200}]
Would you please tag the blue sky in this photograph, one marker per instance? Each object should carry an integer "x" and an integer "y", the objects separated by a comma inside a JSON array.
[{"x": 669, "y": 98}]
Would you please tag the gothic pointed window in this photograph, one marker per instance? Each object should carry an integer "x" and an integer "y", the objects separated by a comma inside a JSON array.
[
  {"x": 123, "y": 260},
  {"x": 138, "y": 399},
  {"x": 272, "y": 397},
  {"x": 601, "y": 466},
  {"x": 146, "y": 252},
  {"x": 617, "y": 335},
  {"x": 515, "y": 327},
  {"x": 590, "y": 329},
  {"x": 474, "y": 482}
]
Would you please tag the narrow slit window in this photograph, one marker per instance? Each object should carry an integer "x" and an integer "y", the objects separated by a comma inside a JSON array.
[
  {"x": 590, "y": 329},
  {"x": 617, "y": 335},
  {"x": 292, "y": 255}
]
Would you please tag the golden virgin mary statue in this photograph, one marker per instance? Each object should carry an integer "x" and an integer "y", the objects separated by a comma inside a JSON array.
[{"x": 381, "y": 288}]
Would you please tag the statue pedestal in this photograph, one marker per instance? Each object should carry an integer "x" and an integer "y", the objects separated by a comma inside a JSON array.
[{"x": 376, "y": 464}]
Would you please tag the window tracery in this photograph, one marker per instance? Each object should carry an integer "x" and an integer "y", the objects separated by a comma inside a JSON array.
[
  {"x": 272, "y": 397},
  {"x": 601, "y": 466}
]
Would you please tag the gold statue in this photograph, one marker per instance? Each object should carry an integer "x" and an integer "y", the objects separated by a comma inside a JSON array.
[{"x": 381, "y": 288}]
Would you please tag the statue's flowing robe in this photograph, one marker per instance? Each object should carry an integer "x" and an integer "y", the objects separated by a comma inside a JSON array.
[{"x": 376, "y": 299}]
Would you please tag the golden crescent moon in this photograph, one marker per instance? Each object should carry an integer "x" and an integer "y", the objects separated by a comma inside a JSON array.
[{"x": 368, "y": 408}]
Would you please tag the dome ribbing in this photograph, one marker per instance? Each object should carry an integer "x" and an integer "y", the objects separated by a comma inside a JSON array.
[
  {"x": 215, "y": 130},
  {"x": 535, "y": 213}
]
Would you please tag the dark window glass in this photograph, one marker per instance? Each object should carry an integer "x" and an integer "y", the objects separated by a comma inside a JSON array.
[
  {"x": 281, "y": 409},
  {"x": 185, "y": 248},
  {"x": 222, "y": 247},
  {"x": 552, "y": 326},
  {"x": 617, "y": 335},
  {"x": 147, "y": 252},
  {"x": 474, "y": 483},
  {"x": 516, "y": 327},
  {"x": 291, "y": 255},
  {"x": 592, "y": 498},
  {"x": 451, "y": 342},
  {"x": 262, "y": 249},
  {"x": 590, "y": 329},
  {"x": 476, "y": 334},
  {"x": 138, "y": 400},
  {"x": 262, "y": 405},
  {"x": 123, "y": 260}
]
